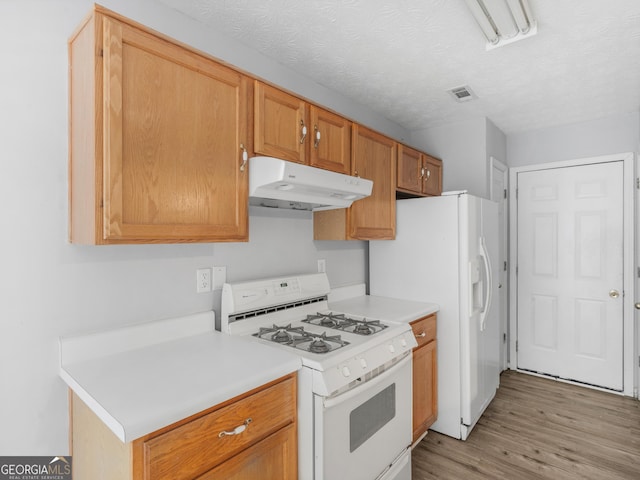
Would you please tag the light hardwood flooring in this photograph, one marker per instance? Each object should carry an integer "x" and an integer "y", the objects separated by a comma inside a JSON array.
[{"x": 538, "y": 428}]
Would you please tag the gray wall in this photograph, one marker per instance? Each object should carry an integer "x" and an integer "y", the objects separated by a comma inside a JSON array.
[
  {"x": 51, "y": 288},
  {"x": 465, "y": 148},
  {"x": 613, "y": 134}
]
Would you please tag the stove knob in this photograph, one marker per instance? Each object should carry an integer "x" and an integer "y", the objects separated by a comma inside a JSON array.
[
  {"x": 392, "y": 349},
  {"x": 363, "y": 363},
  {"x": 346, "y": 372},
  {"x": 403, "y": 342}
]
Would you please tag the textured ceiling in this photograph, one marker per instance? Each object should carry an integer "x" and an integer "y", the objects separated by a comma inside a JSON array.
[{"x": 399, "y": 57}]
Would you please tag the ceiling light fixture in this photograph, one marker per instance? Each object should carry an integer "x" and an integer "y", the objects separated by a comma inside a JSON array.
[{"x": 503, "y": 21}]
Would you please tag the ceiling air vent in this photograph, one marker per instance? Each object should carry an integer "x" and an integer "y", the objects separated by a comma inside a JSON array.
[{"x": 462, "y": 94}]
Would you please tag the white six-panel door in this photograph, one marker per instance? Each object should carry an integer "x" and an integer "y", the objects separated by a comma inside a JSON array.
[{"x": 570, "y": 273}]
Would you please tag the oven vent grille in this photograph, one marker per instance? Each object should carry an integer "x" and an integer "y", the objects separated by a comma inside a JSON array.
[{"x": 275, "y": 308}]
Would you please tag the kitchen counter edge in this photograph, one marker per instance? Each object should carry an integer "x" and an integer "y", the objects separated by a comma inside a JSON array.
[{"x": 154, "y": 381}]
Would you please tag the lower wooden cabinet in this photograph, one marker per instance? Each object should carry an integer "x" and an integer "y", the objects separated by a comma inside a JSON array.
[
  {"x": 425, "y": 375},
  {"x": 203, "y": 446},
  {"x": 272, "y": 458}
]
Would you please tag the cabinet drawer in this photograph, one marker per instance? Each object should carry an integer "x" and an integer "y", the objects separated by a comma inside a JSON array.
[
  {"x": 194, "y": 448},
  {"x": 424, "y": 329}
]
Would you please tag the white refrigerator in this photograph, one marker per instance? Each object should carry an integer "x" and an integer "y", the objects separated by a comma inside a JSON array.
[{"x": 446, "y": 252}]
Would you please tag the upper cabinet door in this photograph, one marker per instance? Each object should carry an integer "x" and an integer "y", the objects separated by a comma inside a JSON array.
[
  {"x": 410, "y": 169},
  {"x": 174, "y": 122},
  {"x": 281, "y": 128},
  {"x": 374, "y": 158},
  {"x": 330, "y": 141},
  {"x": 432, "y": 180}
]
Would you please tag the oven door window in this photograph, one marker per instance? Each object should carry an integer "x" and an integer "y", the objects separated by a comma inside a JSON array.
[{"x": 371, "y": 416}]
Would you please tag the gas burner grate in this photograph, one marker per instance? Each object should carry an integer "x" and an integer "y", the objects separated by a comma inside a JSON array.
[
  {"x": 280, "y": 334},
  {"x": 298, "y": 338},
  {"x": 329, "y": 320},
  {"x": 339, "y": 321},
  {"x": 322, "y": 343}
]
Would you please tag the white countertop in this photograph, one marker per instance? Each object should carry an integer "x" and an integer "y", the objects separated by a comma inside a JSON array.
[
  {"x": 153, "y": 380},
  {"x": 384, "y": 308}
]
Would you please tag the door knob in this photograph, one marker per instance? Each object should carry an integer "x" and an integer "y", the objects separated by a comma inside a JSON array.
[
  {"x": 637, "y": 305},
  {"x": 614, "y": 293}
]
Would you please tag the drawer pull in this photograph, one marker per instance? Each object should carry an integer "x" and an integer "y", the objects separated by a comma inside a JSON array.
[
  {"x": 421, "y": 335},
  {"x": 236, "y": 431}
]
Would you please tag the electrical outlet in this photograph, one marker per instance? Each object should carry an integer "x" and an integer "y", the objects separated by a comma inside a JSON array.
[
  {"x": 203, "y": 280},
  {"x": 322, "y": 266}
]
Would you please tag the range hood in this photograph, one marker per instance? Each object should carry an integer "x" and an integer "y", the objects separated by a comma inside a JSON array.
[{"x": 281, "y": 184}]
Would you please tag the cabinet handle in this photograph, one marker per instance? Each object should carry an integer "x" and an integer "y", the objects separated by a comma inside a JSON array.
[
  {"x": 245, "y": 157},
  {"x": 236, "y": 431},
  {"x": 421, "y": 335},
  {"x": 303, "y": 130},
  {"x": 317, "y": 135},
  {"x": 422, "y": 172},
  {"x": 428, "y": 174}
]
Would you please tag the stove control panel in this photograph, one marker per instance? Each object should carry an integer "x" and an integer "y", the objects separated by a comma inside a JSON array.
[
  {"x": 362, "y": 364},
  {"x": 286, "y": 286}
]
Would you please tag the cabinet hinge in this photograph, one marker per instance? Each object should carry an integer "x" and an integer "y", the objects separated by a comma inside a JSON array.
[
  {"x": 516, "y": 270},
  {"x": 516, "y": 193},
  {"x": 504, "y": 266},
  {"x": 638, "y": 272},
  {"x": 504, "y": 338},
  {"x": 505, "y": 193},
  {"x": 101, "y": 52},
  {"x": 516, "y": 345},
  {"x": 638, "y": 183}
]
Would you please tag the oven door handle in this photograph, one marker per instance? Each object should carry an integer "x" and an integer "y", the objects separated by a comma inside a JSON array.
[{"x": 343, "y": 397}]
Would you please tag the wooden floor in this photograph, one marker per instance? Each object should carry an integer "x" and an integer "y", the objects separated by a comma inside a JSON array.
[{"x": 537, "y": 428}]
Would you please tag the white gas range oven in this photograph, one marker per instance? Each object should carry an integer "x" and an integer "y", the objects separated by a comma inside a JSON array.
[{"x": 355, "y": 385}]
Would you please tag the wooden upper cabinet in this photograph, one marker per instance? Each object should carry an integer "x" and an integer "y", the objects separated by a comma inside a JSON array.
[
  {"x": 410, "y": 169},
  {"x": 372, "y": 218},
  {"x": 374, "y": 158},
  {"x": 433, "y": 176},
  {"x": 156, "y": 134},
  {"x": 330, "y": 141},
  {"x": 419, "y": 174},
  {"x": 281, "y": 125},
  {"x": 289, "y": 128}
]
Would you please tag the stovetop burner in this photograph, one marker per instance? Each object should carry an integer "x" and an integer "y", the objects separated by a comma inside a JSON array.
[
  {"x": 322, "y": 343},
  {"x": 298, "y": 338},
  {"x": 280, "y": 334},
  {"x": 339, "y": 321}
]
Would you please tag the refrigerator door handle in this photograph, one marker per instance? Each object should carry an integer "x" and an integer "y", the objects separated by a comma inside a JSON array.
[{"x": 487, "y": 268}]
